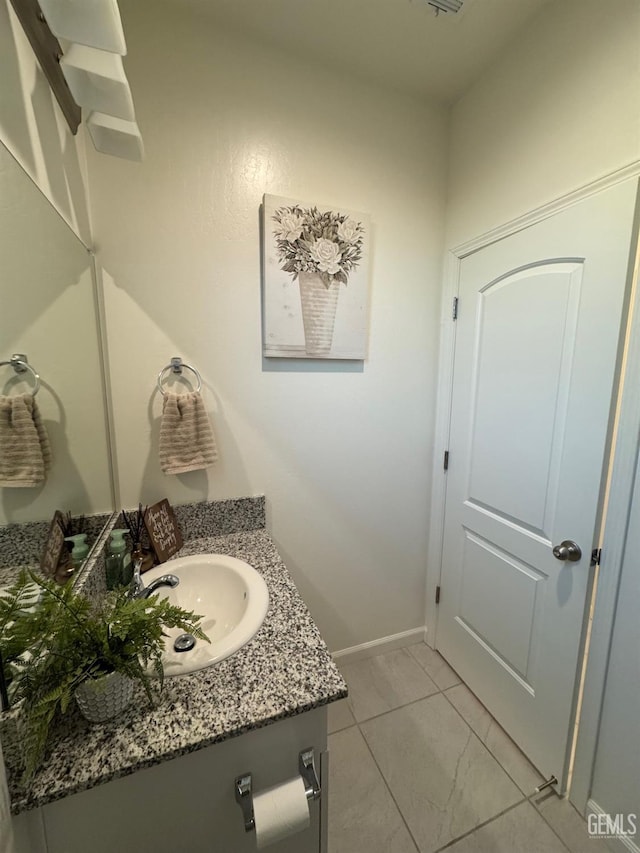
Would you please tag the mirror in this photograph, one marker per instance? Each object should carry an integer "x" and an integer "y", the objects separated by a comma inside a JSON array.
[{"x": 49, "y": 311}]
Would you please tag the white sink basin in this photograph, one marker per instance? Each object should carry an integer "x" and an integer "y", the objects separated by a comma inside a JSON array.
[{"x": 228, "y": 593}]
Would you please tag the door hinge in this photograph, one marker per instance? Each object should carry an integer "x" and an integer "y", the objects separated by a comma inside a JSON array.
[
  {"x": 596, "y": 555},
  {"x": 446, "y": 460},
  {"x": 454, "y": 312},
  {"x": 437, "y": 595}
]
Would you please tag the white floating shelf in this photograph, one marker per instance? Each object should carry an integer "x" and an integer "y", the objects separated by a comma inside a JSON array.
[
  {"x": 115, "y": 136},
  {"x": 96, "y": 23},
  {"x": 97, "y": 81}
]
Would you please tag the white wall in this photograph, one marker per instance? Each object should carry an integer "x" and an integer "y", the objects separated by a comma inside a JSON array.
[
  {"x": 560, "y": 108},
  {"x": 341, "y": 450}
]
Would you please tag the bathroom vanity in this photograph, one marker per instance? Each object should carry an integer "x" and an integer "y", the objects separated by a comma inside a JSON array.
[
  {"x": 164, "y": 778},
  {"x": 187, "y": 803}
]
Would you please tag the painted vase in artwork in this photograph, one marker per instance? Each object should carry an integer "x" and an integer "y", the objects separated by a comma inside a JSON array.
[
  {"x": 319, "y": 304},
  {"x": 320, "y": 250}
]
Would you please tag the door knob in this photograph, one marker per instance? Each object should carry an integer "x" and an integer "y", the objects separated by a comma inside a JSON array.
[{"x": 567, "y": 550}]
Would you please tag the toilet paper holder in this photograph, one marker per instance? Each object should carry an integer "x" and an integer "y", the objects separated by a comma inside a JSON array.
[{"x": 244, "y": 787}]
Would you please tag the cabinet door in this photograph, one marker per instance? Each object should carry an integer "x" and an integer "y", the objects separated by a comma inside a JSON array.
[{"x": 189, "y": 803}]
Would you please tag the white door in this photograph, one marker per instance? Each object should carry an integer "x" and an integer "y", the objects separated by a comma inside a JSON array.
[{"x": 535, "y": 363}]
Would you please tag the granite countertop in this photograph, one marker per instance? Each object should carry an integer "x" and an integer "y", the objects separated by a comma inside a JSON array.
[
  {"x": 284, "y": 671},
  {"x": 21, "y": 544}
]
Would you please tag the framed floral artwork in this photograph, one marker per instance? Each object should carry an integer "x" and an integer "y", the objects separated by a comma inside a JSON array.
[{"x": 316, "y": 280}]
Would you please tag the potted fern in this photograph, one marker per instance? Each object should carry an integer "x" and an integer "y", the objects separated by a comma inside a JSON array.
[{"x": 66, "y": 646}]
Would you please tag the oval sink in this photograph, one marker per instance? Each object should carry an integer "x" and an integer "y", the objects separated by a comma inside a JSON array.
[{"x": 229, "y": 594}]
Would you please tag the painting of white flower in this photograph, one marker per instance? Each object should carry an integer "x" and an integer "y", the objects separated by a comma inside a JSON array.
[
  {"x": 289, "y": 227},
  {"x": 326, "y": 254},
  {"x": 316, "y": 280}
]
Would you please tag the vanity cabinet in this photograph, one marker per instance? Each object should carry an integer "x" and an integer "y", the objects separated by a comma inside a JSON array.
[{"x": 187, "y": 803}]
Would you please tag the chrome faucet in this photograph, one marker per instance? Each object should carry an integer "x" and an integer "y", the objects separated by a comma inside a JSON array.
[{"x": 139, "y": 590}]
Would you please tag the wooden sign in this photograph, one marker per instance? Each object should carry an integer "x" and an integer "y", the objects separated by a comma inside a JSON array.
[
  {"x": 53, "y": 546},
  {"x": 163, "y": 530}
]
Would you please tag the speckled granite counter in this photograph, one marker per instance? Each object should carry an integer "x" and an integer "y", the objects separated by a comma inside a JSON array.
[
  {"x": 21, "y": 544},
  {"x": 285, "y": 670}
]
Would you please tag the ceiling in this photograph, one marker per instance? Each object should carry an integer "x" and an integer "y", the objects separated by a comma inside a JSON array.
[{"x": 398, "y": 43}]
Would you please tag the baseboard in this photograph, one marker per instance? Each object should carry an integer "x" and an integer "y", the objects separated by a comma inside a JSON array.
[
  {"x": 620, "y": 843},
  {"x": 380, "y": 646}
]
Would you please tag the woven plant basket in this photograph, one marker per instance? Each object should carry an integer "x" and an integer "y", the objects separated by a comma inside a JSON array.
[{"x": 103, "y": 698}]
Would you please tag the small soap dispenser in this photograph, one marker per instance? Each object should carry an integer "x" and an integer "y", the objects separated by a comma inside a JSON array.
[
  {"x": 118, "y": 563},
  {"x": 80, "y": 549}
]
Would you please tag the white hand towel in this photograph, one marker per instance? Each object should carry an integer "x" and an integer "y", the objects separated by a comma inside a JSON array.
[
  {"x": 25, "y": 453},
  {"x": 187, "y": 442}
]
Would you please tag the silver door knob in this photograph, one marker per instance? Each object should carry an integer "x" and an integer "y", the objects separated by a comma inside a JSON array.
[{"x": 567, "y": 550}]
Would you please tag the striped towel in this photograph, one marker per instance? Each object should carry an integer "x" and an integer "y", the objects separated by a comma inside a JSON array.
[
  {"x": 187, "y": 442},
  {"x": 25, "y": 453}
]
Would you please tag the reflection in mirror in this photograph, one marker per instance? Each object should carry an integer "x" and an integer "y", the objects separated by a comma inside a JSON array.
[{"x": 49, "y": 312}]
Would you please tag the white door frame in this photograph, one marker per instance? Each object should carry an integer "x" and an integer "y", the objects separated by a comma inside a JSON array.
[{"x": 621, "y": 486}]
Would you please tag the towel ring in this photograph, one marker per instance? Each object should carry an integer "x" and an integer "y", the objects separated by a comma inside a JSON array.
[
  {"x": 177, "y": 365},
  {"x": 20, "y": 364}
]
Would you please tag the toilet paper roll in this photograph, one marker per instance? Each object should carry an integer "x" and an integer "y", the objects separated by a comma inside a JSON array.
[{"x": 280, "y": 811}]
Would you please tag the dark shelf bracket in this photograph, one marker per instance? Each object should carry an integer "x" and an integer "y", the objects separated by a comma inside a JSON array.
[{"x": 48, "y": 52}]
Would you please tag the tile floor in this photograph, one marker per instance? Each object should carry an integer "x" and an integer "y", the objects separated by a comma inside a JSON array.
[{"x": 418, "y": 765}]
